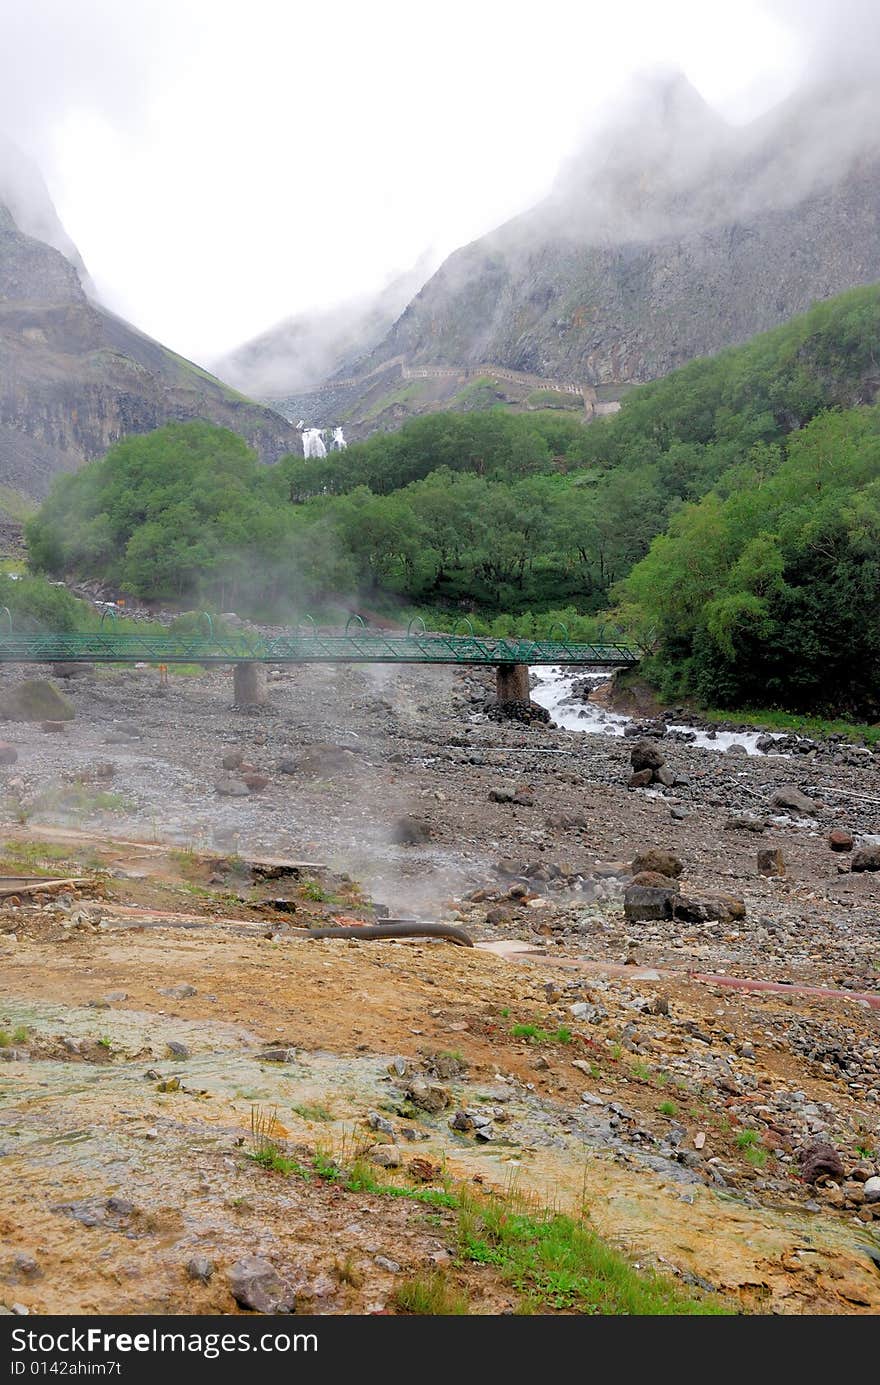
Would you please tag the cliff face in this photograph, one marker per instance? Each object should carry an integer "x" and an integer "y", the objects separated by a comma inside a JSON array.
[
  {"x": 74, "y": 378},
  {"x": 670, "y": 236}
]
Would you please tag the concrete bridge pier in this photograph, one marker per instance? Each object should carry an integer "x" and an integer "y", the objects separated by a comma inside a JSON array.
[
  {"x": 249, "y": 685},
  {"x": 512, "y": 683}
]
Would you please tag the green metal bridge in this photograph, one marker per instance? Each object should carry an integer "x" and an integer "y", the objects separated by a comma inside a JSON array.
[{"x": 311, "y": 647}]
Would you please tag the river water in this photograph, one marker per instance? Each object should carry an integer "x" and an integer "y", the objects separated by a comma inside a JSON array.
[{"x": 570, "y": 712}]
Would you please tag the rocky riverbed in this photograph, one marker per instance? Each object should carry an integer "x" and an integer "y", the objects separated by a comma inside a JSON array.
[{"x": 652, "y": 1015}]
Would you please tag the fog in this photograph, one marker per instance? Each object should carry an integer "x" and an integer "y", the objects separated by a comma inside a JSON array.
[{"x": 221, "y": 171}]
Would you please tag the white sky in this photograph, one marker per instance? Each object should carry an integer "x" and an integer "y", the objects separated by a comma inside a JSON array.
[{"x": 223, "y": 164}]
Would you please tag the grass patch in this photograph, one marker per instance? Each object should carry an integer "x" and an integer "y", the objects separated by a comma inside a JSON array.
[
  {"x": 310, "y": 889},
  {"x": 746, "y": 1139},
  {"x": 641, "y": 1071},
  {"x": 533, "y": 1033},
  {"x": 431, "y": 1294},
  {"x": 668, "y": 1108},
  {"x": 5, "y": 1038},
  {"x": 557, "y": 1262},
  {"x": 315, "y": 1112}
]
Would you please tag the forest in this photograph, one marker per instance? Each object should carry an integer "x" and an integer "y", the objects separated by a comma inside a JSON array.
[{"x": 727, "y": 518}]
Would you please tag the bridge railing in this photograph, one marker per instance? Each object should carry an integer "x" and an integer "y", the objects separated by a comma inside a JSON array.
[{"x": 359, "y": 646}]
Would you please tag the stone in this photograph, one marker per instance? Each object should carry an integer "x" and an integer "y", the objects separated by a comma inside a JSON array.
[
  {"x": 36, "y": 699},
  {"x": 384, "y": 1263},
  {"x": 709, "y": 906},
  {"x": 866, "y": 858},
  {"x": 820, "y": 1160},
  {"x": 255, "y": 781},
  {"x": 653, "y": 877},
  {"x": 839, "y": 839},
  {"x": 658, "y": 861},
  {"x": 8, "y": 753},
  {"x": 411, "y": 831},
  {"x": 232, "y": 760},
  {"x": 646, "y": 754},
  {"x": 499, "y": 918},
  {"x": 791, "y": 799},
  {"x": 200, "y": 1268},
  {"x": 501, "y": 795},
  {"x": 771, "y": 861},
  {"x": 232, "y": 788},
  {"x": 287, "y": 765},
  {"x": 177, "y": 1050},
  {"x": 644, "y": 903},
  {"x": 254, "y": 1283},
  {"x": 386, "y": 1156},
  {"x": 377, "y": 1122},
  {"x": 277, "y": 1055},
  {"x": 54, "y": 727},
  {"x": 745, "y": 822},
  {"x": 641, "y": 779},
  {"x": 666, "y": 776},
  {"x": 871, "y": 1189},
  {"x": 428, "y": 1096}
]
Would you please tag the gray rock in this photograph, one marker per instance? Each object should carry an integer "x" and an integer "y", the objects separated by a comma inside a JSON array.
[
  {"x": 386, "y": 1156},
  {"x": 232, "y": 788},
  {"x": 377, "y": 1122},
  {"x": 790, "y": 798},
  {"x": 643, "y": 903},
  {"x": 646, "y": 755},
  {"x": 254, "y": 1283},
  {"x": 182, "y": 992},
  {"x": 866, "y": 858},
  {"x": 277, "y": 1055},
  {"x": 385, "y": 1264},
  {"x": 428, "y": 1096},
  {"x": 200, "y": 1268},
  {"x": 177, "y": 1050},
  {"x": 871, "y": 1189}
]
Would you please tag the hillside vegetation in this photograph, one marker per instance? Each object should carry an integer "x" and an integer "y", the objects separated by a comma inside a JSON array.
[{"x": 730, "y": 513}]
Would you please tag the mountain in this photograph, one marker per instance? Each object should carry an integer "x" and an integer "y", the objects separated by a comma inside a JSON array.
[
  {"x": 669, "y": 236},
  {"x": 74, "y": 377},
  {"x": 301, "y": 352}
]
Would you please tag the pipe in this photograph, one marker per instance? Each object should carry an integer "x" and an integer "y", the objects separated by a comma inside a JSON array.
[{"x": 396, "y": 930}]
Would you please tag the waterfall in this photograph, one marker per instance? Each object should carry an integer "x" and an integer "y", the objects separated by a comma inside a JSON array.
[
  {"x": 313, "y": 443},
  {"x": 339, "y": 440}
]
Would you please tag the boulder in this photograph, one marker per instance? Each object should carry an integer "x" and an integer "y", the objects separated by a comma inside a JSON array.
[
  {"x": 839, "y": 839},
  {"x": 287, "y": 765},
  {"x": 659, "y": 861},
  {"x": 254, "y": 1283},
  {"x": 646, "y": 755},
  {"x": 771, "y": 861},
  {"x": 255, "y": 781},
  {"x": 709, "y": 906},
  {"x": 641, "y": 779},
  {"x": 866, "y": 858},
  {"x": 820, "y": 1160},
  {"x": 411, "y": 831},
  {"x": 644, "y": 903},
  {"x": 8, "y": 753},
  {"x": 745, "y": 822},
  {"x": 232, "y": 788},
  {"x": 654, "y": 879},
  {"x": 232, "y": 760},
  {"x": 35, "y": 700},
  {"x": 665, "y": 775},
  {"x": 428, "y": 1096},
  {"x": 792, "y": 800}
]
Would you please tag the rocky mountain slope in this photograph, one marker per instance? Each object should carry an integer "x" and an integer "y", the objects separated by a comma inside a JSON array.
[
  {"x": 74, "y": 377},
  {"x": 301, "y": 352},
  {"x": 670, "y": 236}
]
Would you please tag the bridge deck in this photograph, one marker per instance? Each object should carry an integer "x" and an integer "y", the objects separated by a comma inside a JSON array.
[{"x": 312, "y": 648}]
